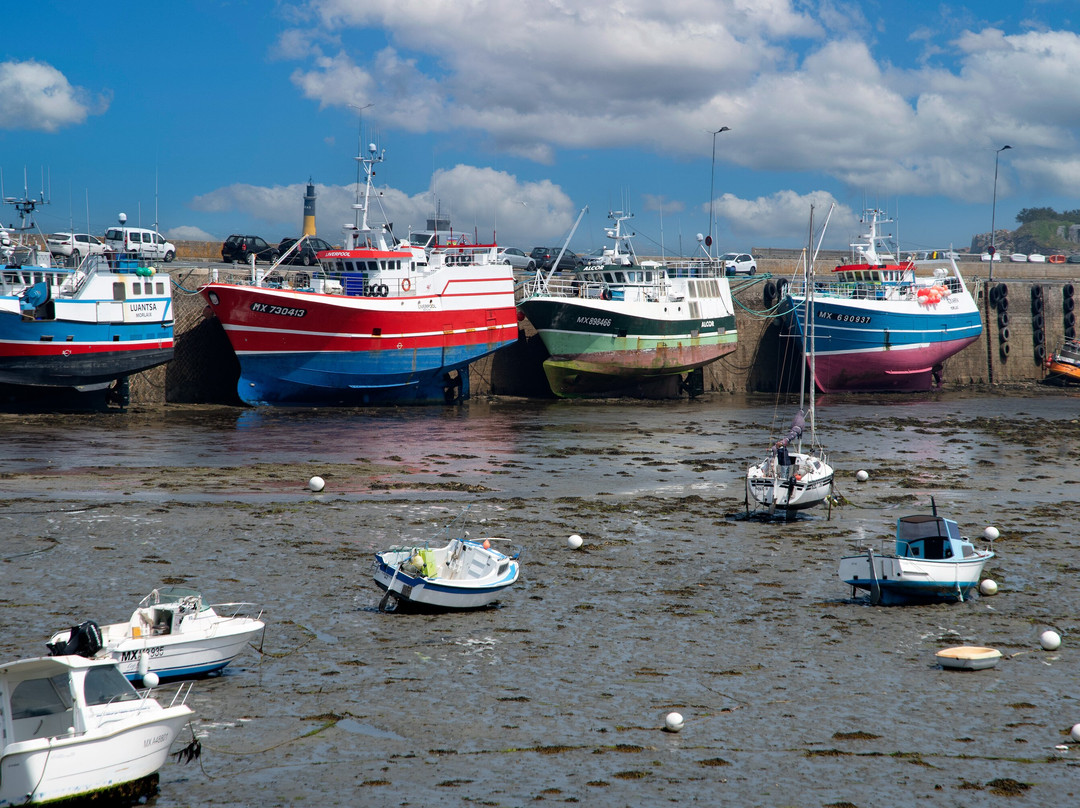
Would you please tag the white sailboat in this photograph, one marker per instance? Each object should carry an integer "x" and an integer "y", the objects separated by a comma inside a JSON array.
[{"x": 794, "y": 480}]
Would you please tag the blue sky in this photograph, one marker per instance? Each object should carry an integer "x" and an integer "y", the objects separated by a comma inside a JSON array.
[{"x": 209, "y": 117}]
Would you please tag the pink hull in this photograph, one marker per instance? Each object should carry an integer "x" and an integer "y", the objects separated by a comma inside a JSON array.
[{"x": 901, "y": 370}]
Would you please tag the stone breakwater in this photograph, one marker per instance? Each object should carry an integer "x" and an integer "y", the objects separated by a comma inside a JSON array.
[{"x": 205, "y": 369}]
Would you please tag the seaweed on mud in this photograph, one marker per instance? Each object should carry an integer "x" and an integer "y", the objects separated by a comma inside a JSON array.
[
  {"x": 1007, "y": 787},
  {"x": 716, "y": 761},
  {"x": 632, "y": 775},
  {"x": 854, "y": 736}
]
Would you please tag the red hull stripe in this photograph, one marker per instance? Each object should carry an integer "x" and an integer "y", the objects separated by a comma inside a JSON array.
[{"x": 12, "y": 348}]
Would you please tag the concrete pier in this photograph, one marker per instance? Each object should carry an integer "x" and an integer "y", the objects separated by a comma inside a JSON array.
[{"x": 1018, "y": 337}]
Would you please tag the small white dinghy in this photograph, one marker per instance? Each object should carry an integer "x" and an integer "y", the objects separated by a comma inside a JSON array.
[
  {"x": 72, "y": 727},
  {"x": 968, "y": 657},
  {"x": 172, "y": 633},
  {"x": 465, "y": 574}
]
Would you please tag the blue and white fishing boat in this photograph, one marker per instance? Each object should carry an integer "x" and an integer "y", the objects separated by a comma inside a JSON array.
[
  {"x": 884, "y": 325},
  {"x": 83, "y": 326},
  {"x": 465, "y": 574},
  {"x": 931, "y": 561},
  {"x": 172, "y": 633}
]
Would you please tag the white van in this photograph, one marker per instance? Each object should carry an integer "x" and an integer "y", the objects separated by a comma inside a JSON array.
[{"x": 140, "y": 242}]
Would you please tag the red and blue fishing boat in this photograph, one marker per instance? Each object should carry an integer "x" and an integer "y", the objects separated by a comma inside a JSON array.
[
  {"x": 381, "y": 321},
  {"x": 83, "y": 326},
  {"x": 886, "y": 325}
]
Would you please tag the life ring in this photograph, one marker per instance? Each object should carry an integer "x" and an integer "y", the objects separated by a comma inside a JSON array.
[{"x": 405, "y": 285}]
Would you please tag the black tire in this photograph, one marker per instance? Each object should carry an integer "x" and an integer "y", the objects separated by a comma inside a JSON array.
[
  {"x": 1036, "y": 293},
  {"x": 1070, "y": 332},
  {"x": 1040, "y": 354},
  {"x": 169, "y": 256},
  {"x": 532, "y": 266},
  {"x": 781, "y": 289},
  {"x": 753, "y": 270},
  {"x": 993, "y": 293},
  {"x": 768, "y": 294},
  {"x": 1069, "y": 318},
  {"x": 1003, "y": 303},
  {"x": 1067, "y": 290},
  {"x": 1003, "y": 319},
  {"x": 1067, "y": 305},
  {"x": 1004, "y": 348},
  {"x": 1003, "y": 292},
  {"x": 1036, "y": 305},
  {"x": 1003, "y": 334},
  {"x": 308, "y": 260},
  {"x": 1037, "y": 336},
  {"x": 1037, "y": 322}
]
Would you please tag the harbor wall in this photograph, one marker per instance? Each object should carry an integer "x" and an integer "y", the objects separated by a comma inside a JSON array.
[{"x": 204, "y": 369}]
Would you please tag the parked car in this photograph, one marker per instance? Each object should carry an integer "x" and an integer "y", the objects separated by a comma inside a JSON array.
[
  {"x": 241, "y": 248},
  {"x": 516, "y": 258},
  {"x": 79, "y": 245},
  {"x": 738, "y": 263},
  {"x": 545, "y": 256},
  {"x": 304, "y": 254},
  {"x": 140, "y": 242}
]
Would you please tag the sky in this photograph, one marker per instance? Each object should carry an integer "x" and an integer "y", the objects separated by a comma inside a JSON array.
[{"x": 519, "y": 118}]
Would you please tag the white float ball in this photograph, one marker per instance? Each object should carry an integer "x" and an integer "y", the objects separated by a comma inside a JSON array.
[
  {"x": 862, "y": 476},
  {"x": 574, "y": 542},
  {"x": 991, "y": 533},
  {"x": 316, "y": 484},
  {"x": 1075, "y": 733},
  {"x": 150, "y": 679},
  {"x": 673, "y": 722},
  {"x": 1050, "y": 640},
  {"x": 988, "y": 586}
]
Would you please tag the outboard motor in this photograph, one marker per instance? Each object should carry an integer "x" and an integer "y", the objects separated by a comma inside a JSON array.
[{"x": 84, "y": 640}]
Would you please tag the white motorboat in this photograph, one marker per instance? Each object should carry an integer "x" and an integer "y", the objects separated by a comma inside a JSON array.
[
  {"x": 792, "y": 480},
  {"x": 172, "y": 633},
  {"x": 73, "y": 727},
  {"x": 465, "y": 574},
  {"x": 931, "y": 561}
]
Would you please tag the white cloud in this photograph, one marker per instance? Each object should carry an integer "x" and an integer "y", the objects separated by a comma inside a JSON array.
[
  {"x": 479, "y": 201},
  {"x": 188, "y": 233},
  {"x": 773, "y": 219},
  {"x": 38, "y": 97}
]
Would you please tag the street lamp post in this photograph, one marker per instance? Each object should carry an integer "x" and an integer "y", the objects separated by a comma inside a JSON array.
[
  {"x": 990, "y": 280},
  {"x": 712, "y": 184}
]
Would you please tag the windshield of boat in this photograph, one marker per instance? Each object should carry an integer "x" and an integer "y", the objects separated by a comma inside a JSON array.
[
  {"x": 38, "y": 697},
  {"x": 171, "y": 594},
  {"x": 105, "y": 684}
]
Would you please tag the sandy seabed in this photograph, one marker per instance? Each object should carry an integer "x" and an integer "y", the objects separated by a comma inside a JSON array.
[{"x": 794, "y": 692}]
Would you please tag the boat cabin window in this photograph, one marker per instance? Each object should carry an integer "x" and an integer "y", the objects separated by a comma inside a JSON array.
[
  {"x": 37, "y": 697},
  {"x": 620, "y": 277},
  {"x": 935, "y": 548},
  {"x": 609, "y": 277},
  {"x": 105, "y": 684},
  {"x": 119, "y": 291}
]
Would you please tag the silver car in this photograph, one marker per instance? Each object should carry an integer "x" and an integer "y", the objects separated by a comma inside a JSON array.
[{"x": 516, "y": 258}]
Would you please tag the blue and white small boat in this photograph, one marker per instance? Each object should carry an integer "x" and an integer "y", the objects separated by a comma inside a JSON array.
[
  {"x": 172, "y": 633},
  {"x": 465, "y": 574},
  {"x": 932, "y": 561}
]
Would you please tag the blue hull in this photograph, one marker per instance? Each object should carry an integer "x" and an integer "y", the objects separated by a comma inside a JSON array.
[
  {"x": 180, "y": 672},
  {"x": 359, "y": 377}
]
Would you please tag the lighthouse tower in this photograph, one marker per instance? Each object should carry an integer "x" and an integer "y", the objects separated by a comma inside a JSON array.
[{"x": 309, "y": 210}]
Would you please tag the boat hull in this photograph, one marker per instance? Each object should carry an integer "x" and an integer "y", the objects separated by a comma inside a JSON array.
[
  {"x": 44, "y": 770},
  {"x": 311, "y": 348},
  {"x": 906, "y": 580},
  {"x": 871, "y": 346},
  {"x": 174, "y": 656},
  {"x": 597, "y": 346}
]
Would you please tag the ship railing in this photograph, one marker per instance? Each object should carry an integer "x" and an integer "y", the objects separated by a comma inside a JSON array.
[{"x": 695, "y": 268}]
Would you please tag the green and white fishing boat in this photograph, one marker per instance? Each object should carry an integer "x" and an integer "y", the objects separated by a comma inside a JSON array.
[{"x": 622, "y": 326}]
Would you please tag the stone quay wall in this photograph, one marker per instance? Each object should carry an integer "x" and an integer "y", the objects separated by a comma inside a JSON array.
[{"x": 205, "y": 369}]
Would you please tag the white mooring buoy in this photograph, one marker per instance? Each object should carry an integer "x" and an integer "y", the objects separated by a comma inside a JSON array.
[
  {"x": 316, "y": 484},
  {"x": 1075, "y": 733},
  {"x": 1050, "y": 640},
  {"x": 988, "y": 586},
  {"x": 862, "y": 476},
  {"x": 991, "y": 533},
  {"x": 575, "y": 541},
  {"x": 673, "y": 722}
]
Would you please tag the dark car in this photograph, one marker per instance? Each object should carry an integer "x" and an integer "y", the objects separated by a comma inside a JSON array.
[
  {"x": 545, "y": 257},
  {"x": 304, "y": 254},
  {"x": 241, "y": 248}
]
